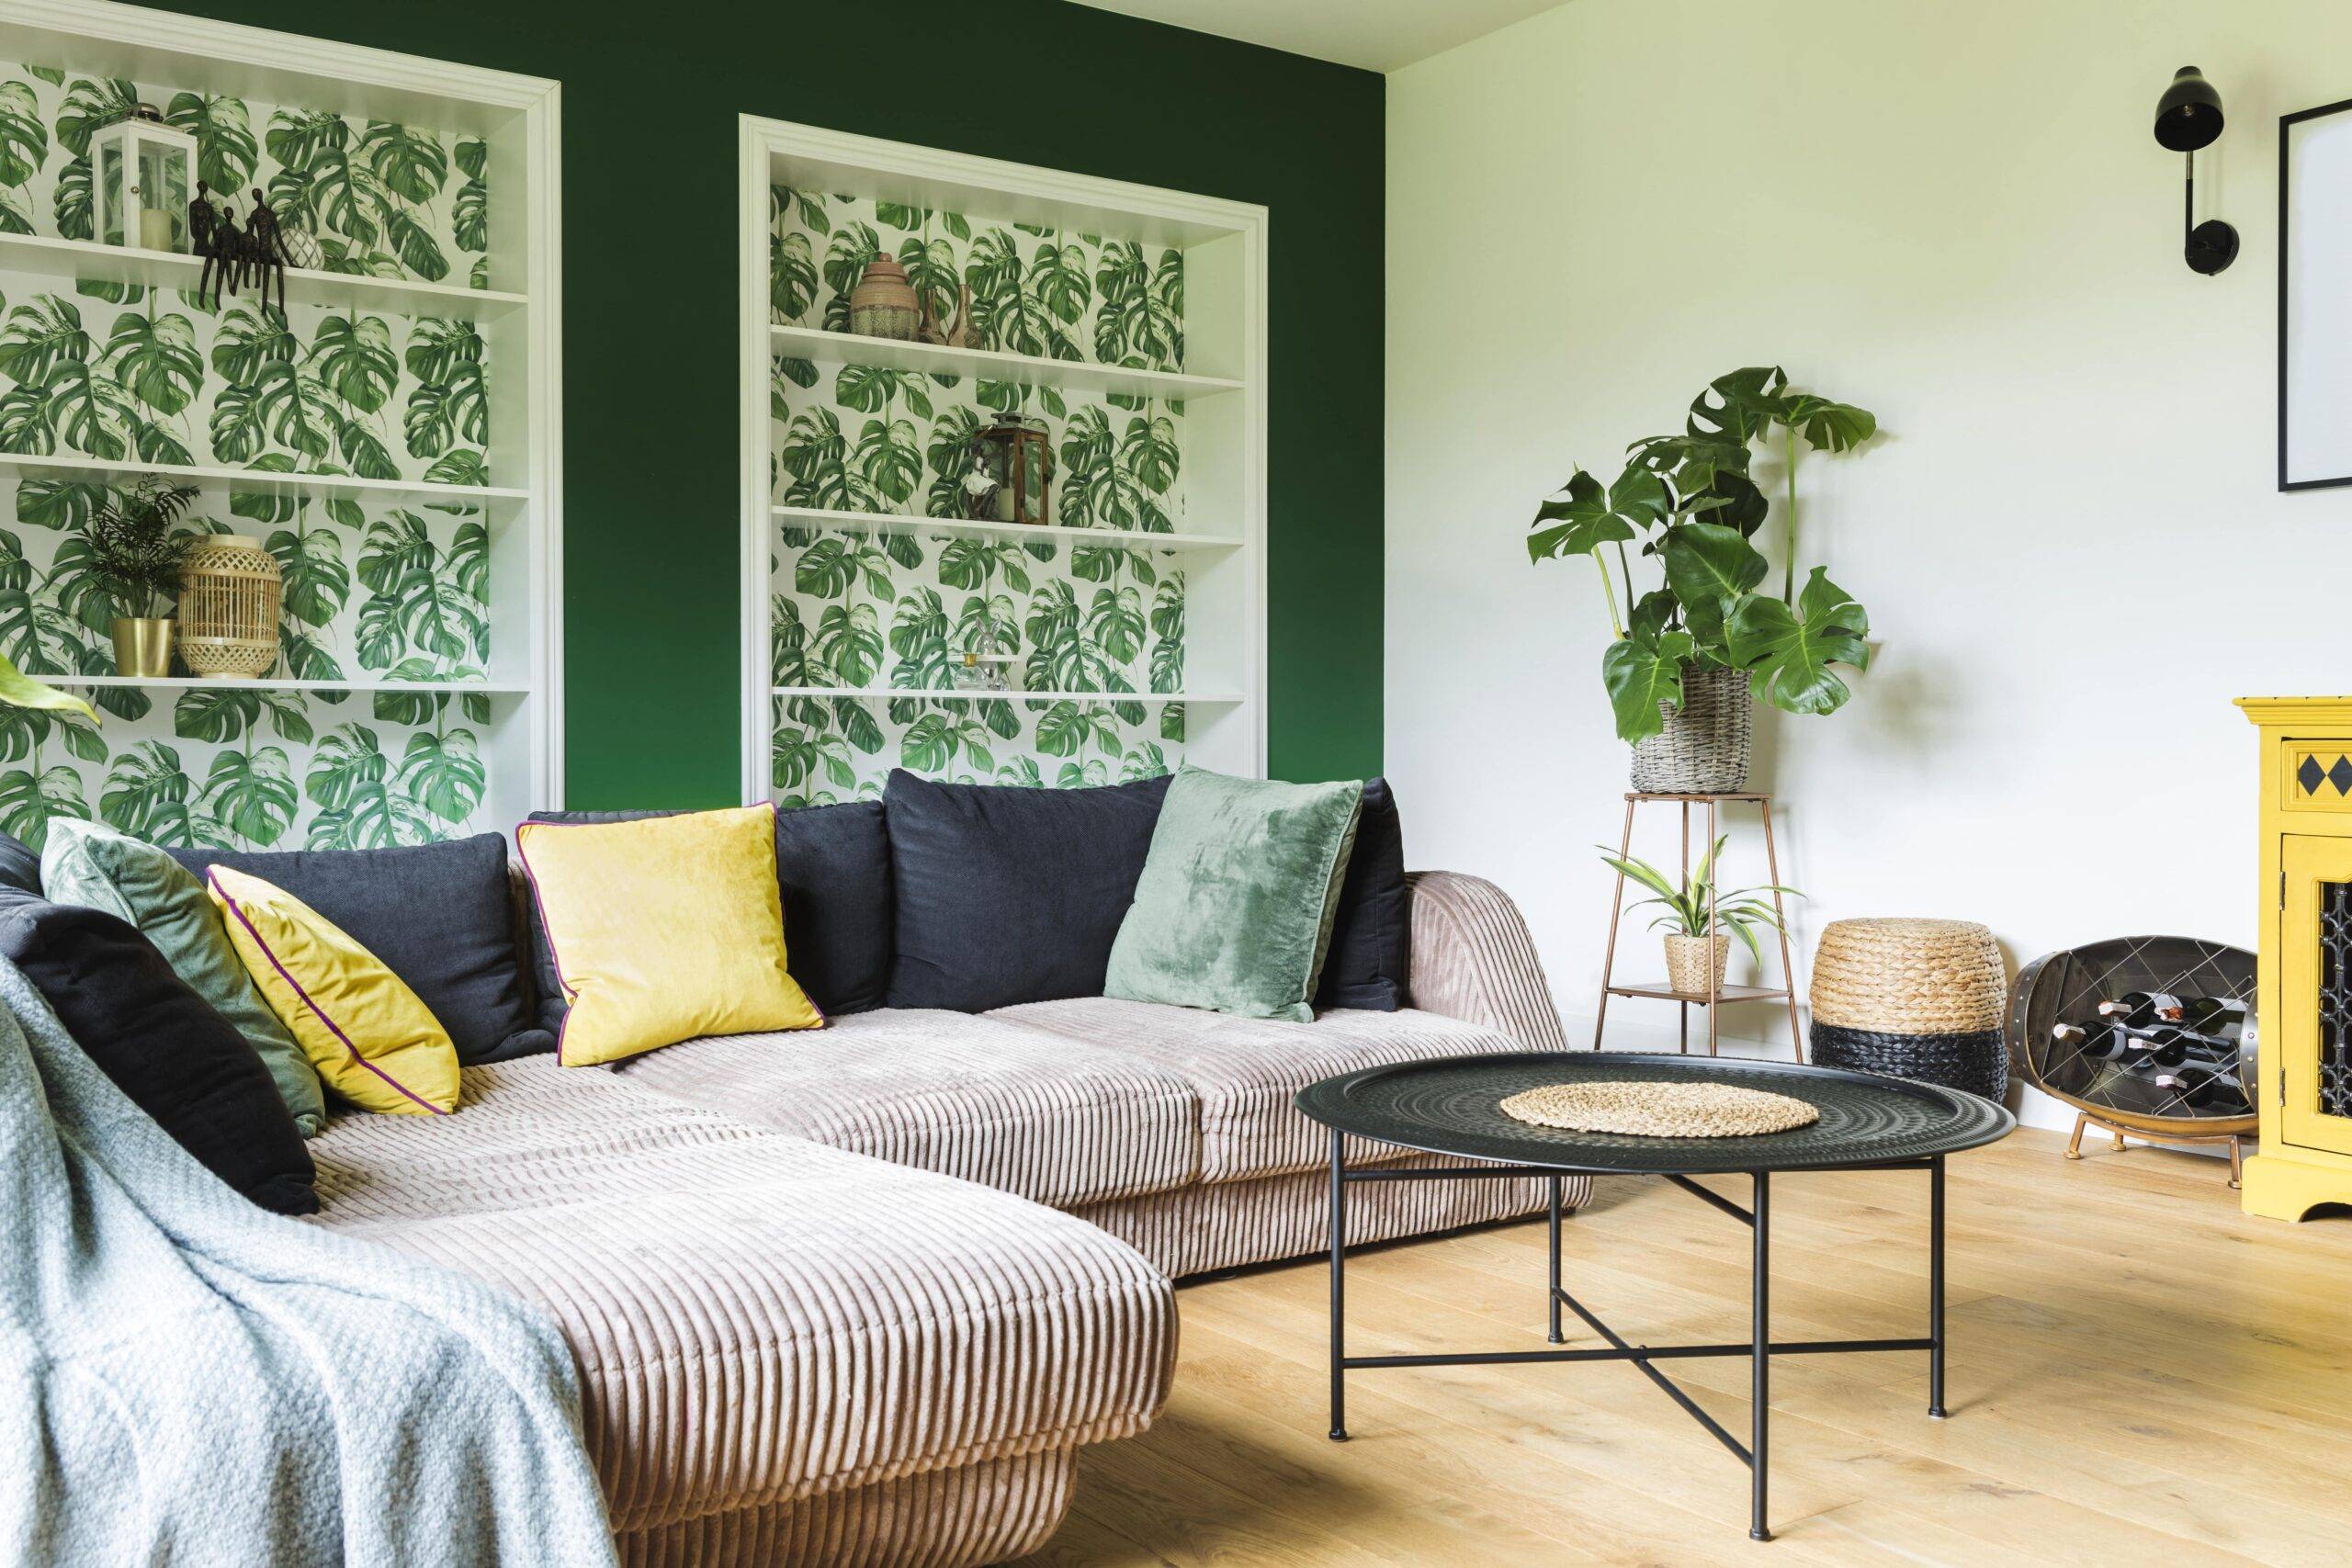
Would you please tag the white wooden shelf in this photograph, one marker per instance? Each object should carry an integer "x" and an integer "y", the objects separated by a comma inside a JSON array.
[
  {"x": 254, "y": 481},
  {"x": 72, "y": 259},
  {"x": 935, "y": 694},
  {"x": 287, "y": 683},
  {"x": 1053, "y": 533},
  {"x": 989, "y": 364}
]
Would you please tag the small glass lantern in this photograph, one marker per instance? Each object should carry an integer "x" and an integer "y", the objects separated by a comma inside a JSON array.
[
  {"x": 145, "y": 172},
  {"x": 1016, "y": 456}
]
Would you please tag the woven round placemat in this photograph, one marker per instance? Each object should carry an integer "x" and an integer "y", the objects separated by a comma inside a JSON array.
[{"x": 1660, "y": 1109}]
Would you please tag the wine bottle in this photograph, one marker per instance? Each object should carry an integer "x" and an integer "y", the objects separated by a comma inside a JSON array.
[
  {"x": 2219, "y": 1016},
  {"x": 2142, "y": 1009},
  {"x": 2099, "y": 1041},
  {"x": 2170, "y": 1046},
  {"x": 2201, "y": 1088}
]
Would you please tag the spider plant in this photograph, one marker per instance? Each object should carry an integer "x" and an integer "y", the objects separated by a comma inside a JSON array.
[{"x": 1738, "y": 910}]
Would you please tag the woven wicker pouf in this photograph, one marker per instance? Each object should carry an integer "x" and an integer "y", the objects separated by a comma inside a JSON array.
[{"x": 1912, "y": 999}]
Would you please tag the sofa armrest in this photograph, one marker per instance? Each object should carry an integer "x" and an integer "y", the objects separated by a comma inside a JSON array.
[{"x": 1474, "y": 960}]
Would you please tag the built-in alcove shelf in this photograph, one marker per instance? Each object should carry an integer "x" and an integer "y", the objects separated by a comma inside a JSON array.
[
  {"x": 824, "y": 348},
  {"x": 1019, "y": 533},
  {"x": 418, "y": 694},
  {"x": 1147, "y": 568},
  {"x": 46, "y": 256}
]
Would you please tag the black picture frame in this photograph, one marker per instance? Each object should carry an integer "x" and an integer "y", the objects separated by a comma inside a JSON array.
[{"x": 2287, "y": 122}]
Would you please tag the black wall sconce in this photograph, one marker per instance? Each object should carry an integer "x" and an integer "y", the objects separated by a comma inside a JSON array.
[{"x": 2188, "y": 118}]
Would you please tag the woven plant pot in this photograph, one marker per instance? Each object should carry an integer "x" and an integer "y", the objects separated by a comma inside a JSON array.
[
  {"x": 1692, "y": 961},
  {"x": 1912, "y": 999},
  {"x": 1703, "y": 748}
]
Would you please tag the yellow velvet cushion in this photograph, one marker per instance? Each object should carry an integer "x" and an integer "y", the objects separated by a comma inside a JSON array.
[
  {"x": 664, "y": 930},
  {"x": 370, "y": 1039}
]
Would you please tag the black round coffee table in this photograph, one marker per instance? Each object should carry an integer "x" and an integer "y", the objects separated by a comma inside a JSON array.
[{"x": 1450, "y": 1106}]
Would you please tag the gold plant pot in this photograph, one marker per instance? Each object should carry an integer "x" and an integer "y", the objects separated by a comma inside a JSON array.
[
  {"x": 143, "y": 645},
  {"x": 1688, "y": 960}
]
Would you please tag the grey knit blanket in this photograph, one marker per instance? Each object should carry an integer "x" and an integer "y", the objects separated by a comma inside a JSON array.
[{"x": 187, "y": 1378}]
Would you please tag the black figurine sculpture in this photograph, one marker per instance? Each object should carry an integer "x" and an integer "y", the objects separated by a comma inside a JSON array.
[
  {"x": 200, "y": 218},
  {"x": 266, "y": 253}
]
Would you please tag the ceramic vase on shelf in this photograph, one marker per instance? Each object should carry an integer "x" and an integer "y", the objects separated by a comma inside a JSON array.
[
  {"x": 1688, "y": 960},
  {"x": 143, "y": 645},
  {"x": 1703, "y": 748},
  {"x": 884, "y": 303}
]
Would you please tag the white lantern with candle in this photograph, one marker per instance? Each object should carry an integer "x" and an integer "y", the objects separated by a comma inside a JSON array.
[{"x": 144, "y": 171}]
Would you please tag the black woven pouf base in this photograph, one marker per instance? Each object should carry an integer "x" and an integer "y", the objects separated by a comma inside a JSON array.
[{"x": 1977, "y": 1061}]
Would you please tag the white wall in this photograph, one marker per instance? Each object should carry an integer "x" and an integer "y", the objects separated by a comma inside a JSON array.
[{"x": 1952, "y": 213}]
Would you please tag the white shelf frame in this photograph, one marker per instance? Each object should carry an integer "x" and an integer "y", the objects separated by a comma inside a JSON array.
[
  {"x": 823, "y": 347},
  {"x": 44, "y": 255},
  {"x": 520, "y": 120},
  {"x": 1019, "y": 533},
  {"x": 810, "y": 157},
  {"x": 283, "y": 683},
  {"x": 948, "y": 694}
]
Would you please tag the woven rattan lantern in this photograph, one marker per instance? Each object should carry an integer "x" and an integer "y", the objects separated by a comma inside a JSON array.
[
  {"x": 229, "y": 593},
  {"x": 1912, "y": 999}
]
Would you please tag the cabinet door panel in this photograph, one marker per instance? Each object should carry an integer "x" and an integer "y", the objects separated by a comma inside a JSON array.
[{"x": 2314, "y": 1033}]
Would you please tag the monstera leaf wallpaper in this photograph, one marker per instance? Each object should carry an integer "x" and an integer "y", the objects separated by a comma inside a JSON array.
[
  {"x": 151, "y": 375},
  {"x": 850, "y": 608}
]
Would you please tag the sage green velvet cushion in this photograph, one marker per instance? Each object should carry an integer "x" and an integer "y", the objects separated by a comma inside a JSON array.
[
  {"x": 1233, "y": 911},
  {"x": 92, "y": 865}
]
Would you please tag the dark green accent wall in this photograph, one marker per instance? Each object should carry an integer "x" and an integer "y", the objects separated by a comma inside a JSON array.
[{"x": 651, "y": 96}]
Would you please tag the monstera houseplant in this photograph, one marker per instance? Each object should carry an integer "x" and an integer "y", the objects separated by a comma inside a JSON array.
[
  {"x": 1688, "y": 653},
  {"x": 136, "y": 548}
]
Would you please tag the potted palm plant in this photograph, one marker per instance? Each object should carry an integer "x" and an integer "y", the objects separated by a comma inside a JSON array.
[
  {"x": 136, "y": 549},
  {"x": 1690, "y": 656},
  {"x": 1700, "y": 920}
]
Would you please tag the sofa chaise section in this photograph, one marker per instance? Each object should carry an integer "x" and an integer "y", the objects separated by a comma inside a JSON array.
[
  {"x": 974, "y": 1097},
  {"x": 787, "y": 1350}
]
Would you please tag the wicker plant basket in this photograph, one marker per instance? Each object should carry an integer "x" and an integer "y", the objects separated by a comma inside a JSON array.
[
  {"x": 1689, "y": 959},
  {"x": 1703, "y": 748},
  {"x": 230, "y": 594},
  {"x": 1912, "y": 999}
]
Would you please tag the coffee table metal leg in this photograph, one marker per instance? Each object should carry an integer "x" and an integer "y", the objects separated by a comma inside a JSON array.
[
  {"x": 1760, "y": 1358},
  {"x": 1553, "y": 1295},
  {"x": 1936, "y": 1287},
  {"x": 1339, "y": 1269}
]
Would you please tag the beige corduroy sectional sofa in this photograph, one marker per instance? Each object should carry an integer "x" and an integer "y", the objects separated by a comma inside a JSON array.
[{"x": 860, "y": 1296}]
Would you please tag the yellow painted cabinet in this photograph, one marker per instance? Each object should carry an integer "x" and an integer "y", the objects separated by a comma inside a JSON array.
[
  {"x": 2312, "y": 1038},
  {"x": 2303, "y": 1002}
]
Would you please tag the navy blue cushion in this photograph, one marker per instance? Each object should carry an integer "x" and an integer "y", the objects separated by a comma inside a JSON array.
[
  {"x": 832, "y": 864},
  {"x": 1009, "y": 895},
  {"x": 162, "y": 1045},
  {"x": 19, "y": 867},
  {"x": 440, "y": 917},
  {"x": 1372, "y": 931}
]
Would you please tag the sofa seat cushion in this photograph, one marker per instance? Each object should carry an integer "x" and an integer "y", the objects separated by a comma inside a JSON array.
[
  {"x": 1023, "y": 1111},
  {"x": 1247, "y": 1072},
  {"x": 758, "y": 1317}
]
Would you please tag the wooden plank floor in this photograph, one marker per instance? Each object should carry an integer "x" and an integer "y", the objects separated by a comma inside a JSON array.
[{"x": 2138, "y": 1373}]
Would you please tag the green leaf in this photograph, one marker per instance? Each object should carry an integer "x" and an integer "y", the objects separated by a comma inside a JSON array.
[
  {"x": 1827, "y": 427},
  {"x": 1709, "y": 567},
  {"x": 1790, "y": 651},
  {"x": 149, "y": 795},
  {"x": 353, "y": 356},
  {"x": 24, "y": 140},
  {"x": 29, "y": 802},
  {"x": 252, "y": 795},
  {"x": 1581, "y": 523},
  {"x": 443, "y": 774},
  {"x": 1739, "y": 406},
  {"x": 1641, "y": 672},
  {"x": 412, "y": 163},
  {"x": 226, "y": 153},
  {"x": 19, "y": 690},
  {"x": 792, "y": 276},
  {"x": 90, "y": 105},
  {"x": 155, "y": 358}
]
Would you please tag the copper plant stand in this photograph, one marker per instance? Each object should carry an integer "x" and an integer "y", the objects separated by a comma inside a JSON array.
[{"x": 1716, "y": 993}]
